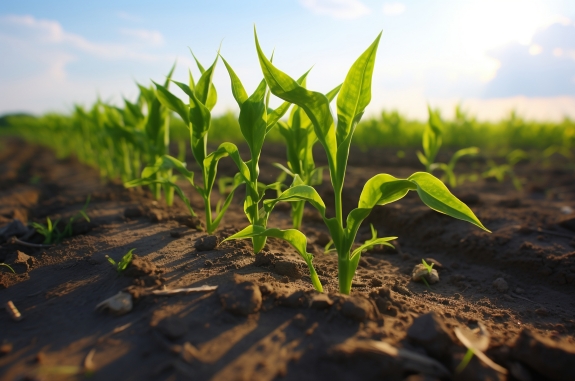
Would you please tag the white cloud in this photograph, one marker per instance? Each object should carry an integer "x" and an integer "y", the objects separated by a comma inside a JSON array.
[
  {"x": 48, "y": 31},
  {"x": 339, "y": 9},
  {"x": 128, "y": 16},
  {"x": 45, "y": 67},
  {"x": 152, "y": 37},
  {"x": 393, "y": 9}
]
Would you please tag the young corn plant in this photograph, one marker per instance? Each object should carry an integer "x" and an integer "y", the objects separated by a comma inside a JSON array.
[
  {"x": 432, "y": 141},
  {"x": 157, "y": 141},
  {"x": 197, "y": 116},
  {"x": 300, "y": 138},
  {"x": 382, "y": 189},
  {"x": 51, "y": 232},
  {"x": 500, "y": 171},
  {"x": 256, "y": 120},
  {"x": 124, "y": 262}
]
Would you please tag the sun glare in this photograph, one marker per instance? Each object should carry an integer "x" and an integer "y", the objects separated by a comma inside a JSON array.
[{"x": 488, "y": 24}]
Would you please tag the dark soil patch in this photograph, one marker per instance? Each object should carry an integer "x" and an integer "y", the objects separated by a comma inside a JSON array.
[{"x": 265, "y": 321}]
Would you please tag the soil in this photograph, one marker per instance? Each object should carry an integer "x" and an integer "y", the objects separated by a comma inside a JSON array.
[{"x": 264, "y": 321}]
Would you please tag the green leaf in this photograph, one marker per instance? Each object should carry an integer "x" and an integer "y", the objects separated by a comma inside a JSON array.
[
  {"x": 371, "y": 243},
  {"x": 436, "y": 195},
  {"x": 200, "y": 117},
  {"x": 172, "y": 102},
  {"x": 355, "y": 93},
  {"x": 383, "y": 189},
  {"x": 204, "y": 90},
  {"x": 299, "y": 193},
  {"x": 253, "y": 121},
  {"x": 316, "y": 105},
  {"x": 238, "y": 90}
]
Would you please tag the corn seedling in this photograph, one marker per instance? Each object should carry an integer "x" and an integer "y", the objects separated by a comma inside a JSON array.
[
  {"x": 9, "y": 267},
  {"x": 197, "y": 117},
  {"x": 353, "y": 98},
  {"x": 499, "y": 171},
  {"x": 124, "y": 262},
  {"x": 300, "y": 138},
  {"x": 428, "y": 267},
  {"x": 256, "y": 120},
  {"x": 48, "y": 230},
  {"x": 51, "y": 232},
  {"x": 431, "y": 142}
]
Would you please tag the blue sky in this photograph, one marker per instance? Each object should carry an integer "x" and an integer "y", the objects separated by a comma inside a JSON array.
[{"x": 491, "y": 55}]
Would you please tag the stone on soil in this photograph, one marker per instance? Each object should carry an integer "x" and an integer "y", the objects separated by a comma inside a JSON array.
[
  {"x": 241, "y": 298},
  {"x": 501, "y": 285},
  {"x": 430, "y": 332},
  {"x": 206, "y": 243}
]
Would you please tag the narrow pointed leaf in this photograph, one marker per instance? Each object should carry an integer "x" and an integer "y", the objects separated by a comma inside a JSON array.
[
  {"x": 238, "y": 90},
  {"x": 173, "y": 103},
  {"x": 355, "y": 93}
]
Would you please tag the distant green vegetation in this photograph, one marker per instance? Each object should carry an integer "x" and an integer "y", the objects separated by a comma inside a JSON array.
[{"x": 389, "y": 129}]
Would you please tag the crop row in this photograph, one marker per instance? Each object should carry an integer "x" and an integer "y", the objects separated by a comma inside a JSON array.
[{"x": 132, "y": 143}]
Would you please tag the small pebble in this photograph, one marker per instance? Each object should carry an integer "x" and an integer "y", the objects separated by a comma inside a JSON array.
[{"x": 501, "y": 285}]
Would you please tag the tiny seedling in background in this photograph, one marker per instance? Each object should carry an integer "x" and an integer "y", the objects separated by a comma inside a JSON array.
[
  {"x": 432, "y": 140},
  {"x": 499, "y": 171},
  {"x": 10, "y": 267},
  {"x": 51, "y": 232},
  {"x": 428, "y": 267},
  {"x": 124, "y": 262}
]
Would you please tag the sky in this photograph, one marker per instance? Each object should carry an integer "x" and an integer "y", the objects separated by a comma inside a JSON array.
[{"x": 490, "y": 56}]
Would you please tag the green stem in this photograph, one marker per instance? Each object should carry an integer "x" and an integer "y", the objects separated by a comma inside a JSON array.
[
  {"x": 208, "y": 209},
  {"x": 343, "y": 274},
  {"x": 297, "y": 209},
  {"x": 314, "y": 278}
]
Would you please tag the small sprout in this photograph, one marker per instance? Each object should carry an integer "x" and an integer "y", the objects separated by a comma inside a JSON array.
[
  {"x": 424, "y": 272},
  {"x": 7, "y": 265},
  {"x": 51, "y": 232},
  {"x": 124, "y": 262},
  {"x": 428, "y": 267}
]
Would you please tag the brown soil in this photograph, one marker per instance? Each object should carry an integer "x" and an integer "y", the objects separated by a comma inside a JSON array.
[{"x": 265, "y": 322}]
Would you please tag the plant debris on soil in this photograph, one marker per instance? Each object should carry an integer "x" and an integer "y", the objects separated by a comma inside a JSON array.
[{"x": 192, "y": 307}]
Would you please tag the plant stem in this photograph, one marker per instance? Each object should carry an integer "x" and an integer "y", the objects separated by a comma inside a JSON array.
[{"x": 297, "y": 213}]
